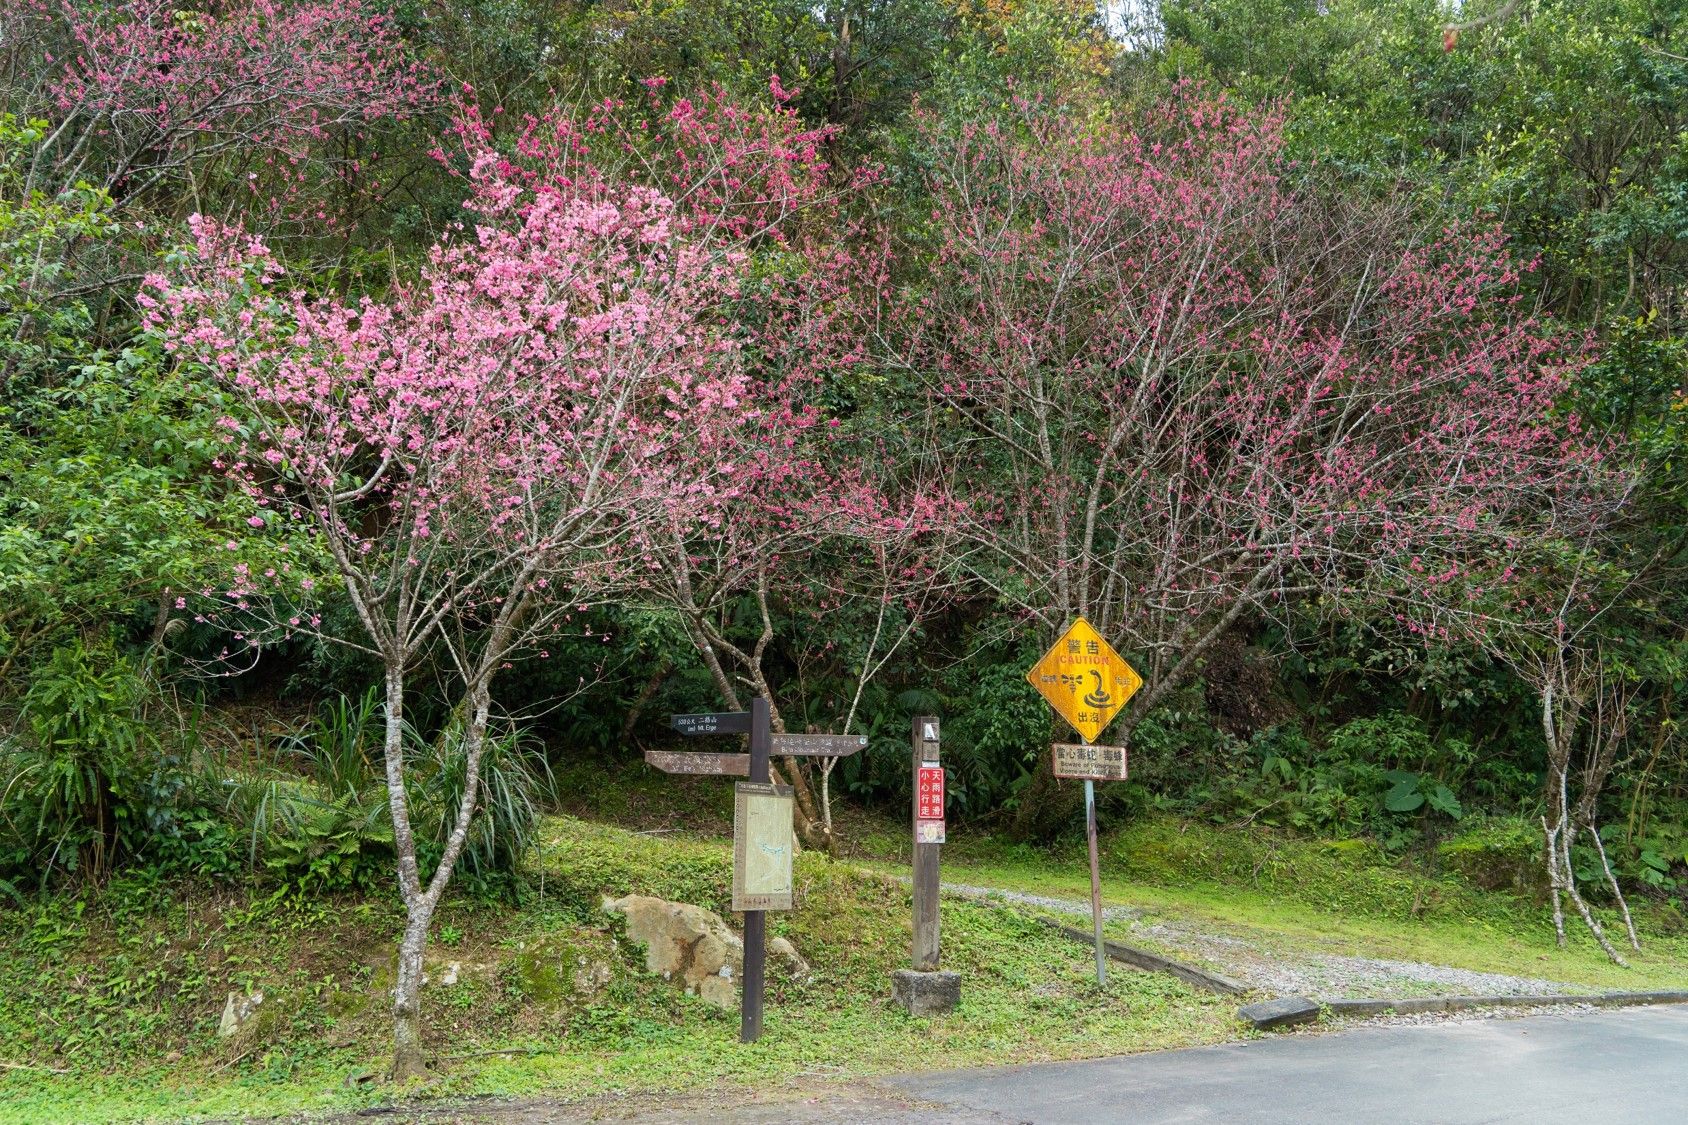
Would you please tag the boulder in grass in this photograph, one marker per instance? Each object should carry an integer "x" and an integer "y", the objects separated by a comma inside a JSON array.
[
  {"x": 695, "y": 948},
  {"x": 1285, "y": 1011},
  {"x": 238, "y": 1012}
]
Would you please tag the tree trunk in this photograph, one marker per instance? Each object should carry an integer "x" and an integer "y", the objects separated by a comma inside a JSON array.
[
  {"x": 409, "y": 1061},
  {"x": 646, "y": 694},
  {"x": 408, "y": 1058},
  {"x": 806, "y": 819}
]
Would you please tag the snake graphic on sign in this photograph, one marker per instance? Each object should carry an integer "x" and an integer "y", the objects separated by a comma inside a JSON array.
[{"x": 1084, "y": 679}]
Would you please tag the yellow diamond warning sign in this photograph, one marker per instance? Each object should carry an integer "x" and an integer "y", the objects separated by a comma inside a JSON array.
[{"x": 1084, "y": 679}]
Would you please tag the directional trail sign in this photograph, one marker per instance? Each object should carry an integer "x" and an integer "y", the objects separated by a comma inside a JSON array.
[
  {"x": 819, "y": 745},
  {"x": 1084, "y": 679},
  {"x": 721, "y": 722},
  {"x": 719, "y": 765}
]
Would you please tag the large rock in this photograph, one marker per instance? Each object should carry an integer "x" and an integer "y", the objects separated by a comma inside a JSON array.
[
  {"x": 784, "y": 953},
  {"x": 249, "y": 1019},
  {"x": 239, "y": 1011},
  {"x": 560, "y": 969},
  {"x": 1282, "y": 1012},
  {"x": 926, "y": 993},
  {"x": 685, "y": 944},
  {"x": 693, "y": 947}
]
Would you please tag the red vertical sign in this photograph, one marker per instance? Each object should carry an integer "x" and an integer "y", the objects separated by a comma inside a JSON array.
[{"x": 929, "y": 797}]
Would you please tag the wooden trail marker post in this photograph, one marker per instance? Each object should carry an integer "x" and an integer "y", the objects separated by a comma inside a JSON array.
[
  {"x": 1087, "y": 683},
  {"x": 762, "y": 833},
  {"x": 755, "y": 921},
  {"x": 924, "y": 989},
  {"x": 928, "y": 837}
]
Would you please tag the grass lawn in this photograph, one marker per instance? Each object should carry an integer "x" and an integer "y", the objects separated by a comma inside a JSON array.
[
  {"x": 132, "y": 996},
  {"x": 123, "y": 989},
  {"x": 1338, "y": 898}
]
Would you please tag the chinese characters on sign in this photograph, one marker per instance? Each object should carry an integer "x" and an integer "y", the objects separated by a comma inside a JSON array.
[
  {"x": 1084, "y": 679},
  {"x": 1096, "y": 763},
  {"x": 727, "y": 765},
  {"x": 931, "y": 795},
  {"x": 819, "y": 745},
  {"x": 762, "y": 846},
  {"x": 720, "y": 722},
  {"x": 929, "y": 805}
]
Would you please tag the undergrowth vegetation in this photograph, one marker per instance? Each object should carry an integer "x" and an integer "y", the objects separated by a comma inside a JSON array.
[
  {"x": 123, "y": 987},
  {"x": 95, "y": 784}
]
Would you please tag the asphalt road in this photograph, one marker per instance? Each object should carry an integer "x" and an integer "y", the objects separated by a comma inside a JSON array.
[
  {"x": 1611, "y": 1066},
  {"x": 1602, "y": 1068}
]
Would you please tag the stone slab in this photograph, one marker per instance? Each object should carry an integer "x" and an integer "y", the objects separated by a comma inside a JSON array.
[
  {"x": 1409, "y": 1004},
  {"x": 1285, "y": 1011},
  {"x": 1635, "y": 999},
  {"x": 926, "y": 994}
]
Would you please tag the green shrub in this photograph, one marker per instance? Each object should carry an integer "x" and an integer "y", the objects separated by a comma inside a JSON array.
[
  {"x": 1502, "y": 853},
  {"x": 67, "y": 781},
  {"x": 515, "y": 781},
  {"x": 315, "y": 814}
]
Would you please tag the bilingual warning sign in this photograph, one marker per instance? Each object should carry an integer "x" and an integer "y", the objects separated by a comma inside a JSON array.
[
  {"x": 1088, "y": 761},
  {"x": 1084, "y": 679}
]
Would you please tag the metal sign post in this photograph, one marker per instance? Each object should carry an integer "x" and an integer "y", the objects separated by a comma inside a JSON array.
[
  {"x": 1093, "y": 764},
  {"x": 1087, "y": 683},
  {"x": 1095, "y": 879}
]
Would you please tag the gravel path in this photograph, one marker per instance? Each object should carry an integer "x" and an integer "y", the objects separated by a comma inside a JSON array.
[{"x": 1287, "y": 972}]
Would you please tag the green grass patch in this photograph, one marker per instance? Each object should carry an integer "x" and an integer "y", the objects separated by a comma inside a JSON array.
[
  {"x": 123, "y": 989},
  {"x": 132, "y": 988},
  {"x": 1341, "y": 897}
]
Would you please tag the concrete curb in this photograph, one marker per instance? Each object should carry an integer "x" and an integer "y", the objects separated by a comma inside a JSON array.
[
  {"x": 1411, "y": 1004},
  {"x": 1154, "y": 962},
  {"x": 1117, "y": 950}
]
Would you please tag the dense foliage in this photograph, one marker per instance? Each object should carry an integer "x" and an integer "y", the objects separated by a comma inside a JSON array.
[{"x": 546, "y": 368}]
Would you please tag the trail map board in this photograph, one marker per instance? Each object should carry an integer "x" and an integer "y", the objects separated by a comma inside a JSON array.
[{"x": 762, "y": 846}]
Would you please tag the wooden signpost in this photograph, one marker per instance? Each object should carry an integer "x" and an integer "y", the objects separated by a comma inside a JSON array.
[
  {"x": 721, "y": 722},
  {"x": 1087, "y": 683},
  {"x": 724, "y": 765},
  {"x": 819, "y": 745},
  {"x": 762, "y": 818},
  {"x": 928, "y": 834},
  {"x": 924, "y": 989}
]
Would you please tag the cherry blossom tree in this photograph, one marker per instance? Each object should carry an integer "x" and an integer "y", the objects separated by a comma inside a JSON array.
[
  {"x": 1187, "y": 387},
  {"x": 269, "y": 110},
  {"x": 813, "y": 534},
  {"x": 755, "y": 181},
  {"x": 474, "y": 453}
]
